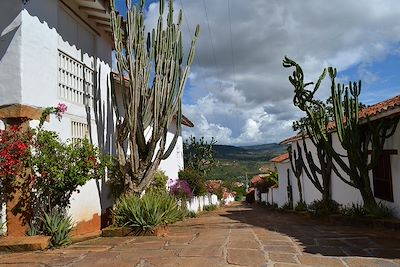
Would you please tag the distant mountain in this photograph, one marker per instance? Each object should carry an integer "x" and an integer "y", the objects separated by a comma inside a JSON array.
[
  {"x": 259, "y": 153},
  {"x": 236, "y": 161}
]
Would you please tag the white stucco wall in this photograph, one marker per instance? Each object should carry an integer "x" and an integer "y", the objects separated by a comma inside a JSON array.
[
  {"x": 30, "y": 41},
  {"x": 10, "y": 52},
  {"x": 281, "y": 196},
  {"x": 43, "y": 27},
  {"x": 174, "y": 163}
]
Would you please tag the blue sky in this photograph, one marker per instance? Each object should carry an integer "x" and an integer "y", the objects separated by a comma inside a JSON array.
[{"x": 238, "y": 91}]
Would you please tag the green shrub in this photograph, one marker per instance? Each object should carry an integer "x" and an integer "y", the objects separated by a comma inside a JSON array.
[
  {"x": 287, "y": 206},
  {"x": 159, "y": 182},
  {"x": 358, "y": 210},
  {"x": 380, "y": 211},
  {"x": 58, "y": 226},
  {"x": 239, "y": 197},
  {"x": 60, "y": 168},
  {"x": 195, "y": 180},
  {"x": 355, "y": 210},
  {"x": 324, "y": 207},
  {"x": 210, "y": 207},
  {"x": 144, "y": 214},
  {"x": 301, "y": 206}
]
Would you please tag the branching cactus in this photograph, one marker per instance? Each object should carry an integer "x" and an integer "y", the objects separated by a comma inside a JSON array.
[
  {"x": 297, "y": 164},
  {"x": 152, "y": 94},
  {"x": 363, "y": 140}
]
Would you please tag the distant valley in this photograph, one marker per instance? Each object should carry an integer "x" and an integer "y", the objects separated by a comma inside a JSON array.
[{"x": 233, "y": 162}]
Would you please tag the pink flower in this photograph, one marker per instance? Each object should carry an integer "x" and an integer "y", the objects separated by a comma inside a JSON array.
[{"x": 60, "y": 110}]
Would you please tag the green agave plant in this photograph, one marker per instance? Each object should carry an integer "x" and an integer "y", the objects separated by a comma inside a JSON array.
[
  {"x": 154, "y": 209},
  {"x": 58, "y": 226}
]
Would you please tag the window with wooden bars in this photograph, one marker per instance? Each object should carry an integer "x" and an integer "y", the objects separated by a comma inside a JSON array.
[
  {"x": 382, "y": 177},
  {"x": 79, "y": 131},
  {"x": 75, "y": 80}
]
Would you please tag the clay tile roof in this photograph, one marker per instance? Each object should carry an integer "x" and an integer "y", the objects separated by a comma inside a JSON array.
[
  {"x": 280, "y": 158},
  {"x": 382, "y": 109},
  {"x": 256, "y": 179},
  {"x": 186, "y": 121}
]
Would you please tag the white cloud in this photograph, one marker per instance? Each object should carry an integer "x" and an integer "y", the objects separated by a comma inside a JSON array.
[{"x": 254, "y": 104}]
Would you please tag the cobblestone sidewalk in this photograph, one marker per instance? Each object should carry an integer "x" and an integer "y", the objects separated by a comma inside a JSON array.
[{"x": 233, "y": 236}]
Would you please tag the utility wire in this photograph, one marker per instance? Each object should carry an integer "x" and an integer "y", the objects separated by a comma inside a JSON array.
[
  {"x": 190, "y": 32},
  {"x": 232, "y": 54},
  {"x": 211, "y": 38}
]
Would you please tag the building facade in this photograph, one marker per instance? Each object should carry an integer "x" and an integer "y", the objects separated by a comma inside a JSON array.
[
  {"x": 384, "y": 178},
  {"x": 59, "y": 51}
]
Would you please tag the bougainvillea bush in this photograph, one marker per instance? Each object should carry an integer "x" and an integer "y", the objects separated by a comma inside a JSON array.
[
  {"x": 14, "y": 156},
  {"x": 180, "y": 189},
  {"x": 51, "y": 170}
]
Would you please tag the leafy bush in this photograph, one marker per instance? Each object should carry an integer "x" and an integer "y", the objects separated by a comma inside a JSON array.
[
  {"x": 239, "y": 197},
  {"x": 358, "y": 210},
  {"x": 195, "y": 180},
  {"x": 210, "y": 207},
  {"x": 181, "y": 190},
  {"x": 159, "y": 182},
  {"x": 55, "y": 224},
  {"x": 300, "y": 206},
  {"x": 287, "y": 206},
  {"x": 145, "y": 214},
  {"x": 324, "y": 207},
  {"x": 61, "y": 167},
  {"x": 14, "y": 153},
  {"x": 380, "y": 211},
  {"x": 355, "y": 210}
]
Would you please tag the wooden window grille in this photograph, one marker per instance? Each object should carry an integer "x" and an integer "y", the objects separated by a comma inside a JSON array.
[
  {"x": 79, "y": 131},
  {"x": 75, "y": 80}
]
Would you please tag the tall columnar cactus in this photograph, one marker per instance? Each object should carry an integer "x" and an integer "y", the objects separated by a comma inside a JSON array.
[
  {"x": 152, "y": 94},
  {"x": 363, "y": 140},
  {"x": 314, "y": 125},
  {"x": 297, "y": 163}
]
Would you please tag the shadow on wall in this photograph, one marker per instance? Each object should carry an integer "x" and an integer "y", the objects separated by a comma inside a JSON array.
[
  {"x": 316, "y": 236},
  {"x": 51, "y": 14},
  {"x": 10, "y": 23},
  {"x": 105, "y": 130}
]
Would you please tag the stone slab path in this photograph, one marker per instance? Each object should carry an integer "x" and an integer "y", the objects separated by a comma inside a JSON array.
[{"x": 238, "y": 235}]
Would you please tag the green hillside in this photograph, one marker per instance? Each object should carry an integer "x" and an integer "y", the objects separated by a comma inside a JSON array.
[{"x": 235, "y": 161}]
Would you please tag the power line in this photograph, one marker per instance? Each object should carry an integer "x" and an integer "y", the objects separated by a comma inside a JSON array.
[
  {"x": 190, "y": 32},
  {"x": 209, "y": 31},
  {"x": 232, "y": 54}
]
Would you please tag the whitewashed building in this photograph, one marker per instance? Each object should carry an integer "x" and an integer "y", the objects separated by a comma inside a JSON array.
[
  {"x": 384, "y": 179},
  {"x": 54, "y": 51}
]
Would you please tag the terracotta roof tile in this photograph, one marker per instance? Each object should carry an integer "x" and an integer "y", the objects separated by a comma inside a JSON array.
[
  {"x": 280, "y": 158},
  {"x": 382, "y": 108}
]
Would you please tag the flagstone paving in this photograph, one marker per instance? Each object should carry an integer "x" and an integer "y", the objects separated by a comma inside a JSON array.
[{"x": 238, "y": 235}]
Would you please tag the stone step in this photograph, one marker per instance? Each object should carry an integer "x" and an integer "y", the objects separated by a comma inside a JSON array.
[{"x": 24, "y": 243}]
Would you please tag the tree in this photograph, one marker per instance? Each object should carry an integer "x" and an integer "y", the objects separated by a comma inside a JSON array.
[
  {"x": 356, "y": 135},
  {"x": 199, "y": 154},
  {"x": 152, "y": 96}
]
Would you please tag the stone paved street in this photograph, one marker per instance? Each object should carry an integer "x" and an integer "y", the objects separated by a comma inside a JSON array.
[{"x": 233, "y": 236}]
